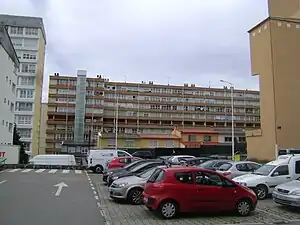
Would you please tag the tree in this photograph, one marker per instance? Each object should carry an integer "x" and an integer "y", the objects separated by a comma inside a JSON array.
[{"x": 23, "y": 157}]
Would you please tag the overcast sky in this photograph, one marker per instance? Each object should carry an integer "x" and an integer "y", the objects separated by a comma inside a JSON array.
[{"x": 183, "y": 41}]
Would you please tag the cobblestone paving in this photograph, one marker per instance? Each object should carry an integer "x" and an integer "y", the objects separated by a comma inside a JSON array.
[{"x": 126, "y": 214}]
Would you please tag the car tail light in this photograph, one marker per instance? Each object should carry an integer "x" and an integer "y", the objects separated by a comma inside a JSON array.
[{"x": 226, "y": 173}]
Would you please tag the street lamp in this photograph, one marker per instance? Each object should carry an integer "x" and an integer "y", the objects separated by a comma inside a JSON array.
[
  {"x": 99, "y": 138},
  {"x": 232, "y": 120}
]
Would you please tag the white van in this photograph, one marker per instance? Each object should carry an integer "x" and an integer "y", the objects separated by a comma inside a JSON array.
[
  {"x": 97, "y": 159},
  {"x": 263, "y": 181},
  {"x": 53, "y": 160}
]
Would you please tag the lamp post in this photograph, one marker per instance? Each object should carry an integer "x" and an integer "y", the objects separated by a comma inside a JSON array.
[
  {"x": 100, "y": 140},
  {"x": 232, "y": 120}
]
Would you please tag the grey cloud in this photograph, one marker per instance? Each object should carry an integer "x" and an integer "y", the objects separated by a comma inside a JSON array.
[{"x": 193, "y": 41}]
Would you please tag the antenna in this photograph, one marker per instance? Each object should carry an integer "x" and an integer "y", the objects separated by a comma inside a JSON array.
[{"x": 168, "y": 80}]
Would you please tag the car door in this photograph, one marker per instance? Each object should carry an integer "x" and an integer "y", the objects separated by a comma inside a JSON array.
[
  {"x": 241, "y": 169},
  {"x": 279, "y": 176}
]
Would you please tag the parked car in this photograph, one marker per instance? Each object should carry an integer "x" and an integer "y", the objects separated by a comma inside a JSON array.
[
  {"x": 268, "y": 176},
  {"x": 288, "y": 194},
  {"x": 195, "y": 161},
  {"x": 235, "y": 169},
  {"x": 131, "y": 188},
  {"x": 143, "y": 154},
  {"x": 214, "y": 164},
  {"x": 97, "y": 158},
  {"x": 53, "y": 160},
  {"x": 178, "y": 159},
  {"x": 109, "y": 172},
  {"x": 171, "y": 191},
  {"x": 136, "y": 170},
  {"x": 122, "y": 161},
  {"x": 219, "y": 157}
]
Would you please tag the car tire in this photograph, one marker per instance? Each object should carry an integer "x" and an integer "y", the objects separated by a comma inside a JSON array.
[
  {"x": 135, "y": 196},
  {"x": 168, "y": 209},
  {"x": 244, "y": 207},
  {"x": 98, "y": 169},
  {"x": 261, "y": 192}
]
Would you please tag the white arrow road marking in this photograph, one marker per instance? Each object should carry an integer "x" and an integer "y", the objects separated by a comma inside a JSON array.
[
  {"x": 40, "y": 170},
  {"x": 52, "y": 171},
  {"x": 26, "y": 171},
  {"x": 2, "y": 182},
  {"x": 14, "y": 170},
  {"x": 78, "y": 171},
  {"x": 65, "y": 171},
  {"x": 59, "y": 188}
]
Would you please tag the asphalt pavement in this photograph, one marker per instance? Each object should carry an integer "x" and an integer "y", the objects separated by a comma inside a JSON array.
[{"x": 34, "y": 198}]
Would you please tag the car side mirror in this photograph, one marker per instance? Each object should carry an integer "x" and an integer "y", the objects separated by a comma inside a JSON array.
[{"x": 275, "y": 174}]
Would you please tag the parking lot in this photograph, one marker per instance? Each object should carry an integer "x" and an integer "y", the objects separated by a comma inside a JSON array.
[{"x": 121, "y": 213}]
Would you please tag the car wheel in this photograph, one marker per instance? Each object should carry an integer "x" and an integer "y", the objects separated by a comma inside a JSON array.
[
  {"x": 243, "y": 207},
  {"x": 261, "y": 192},
  {"x": 135, "y": 196},
  {"x": 168, "y": 209},
  {"x": 98, "y": 169}
]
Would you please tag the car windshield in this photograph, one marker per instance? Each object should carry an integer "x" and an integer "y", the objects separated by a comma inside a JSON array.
[
  {"x": 264, "y": 170},
  {"x": 225, "y": 167},
  {"x": 132, "y": 165},
  {"x": 137, "y": 168},
  {"x": 207, "y": 164},
  {"x": 146, "y": 173}
]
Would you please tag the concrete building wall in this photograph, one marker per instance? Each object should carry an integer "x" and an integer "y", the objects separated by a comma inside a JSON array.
[
  {"x": 8, "y": 80},
  {"x": 43, "y": 127}
]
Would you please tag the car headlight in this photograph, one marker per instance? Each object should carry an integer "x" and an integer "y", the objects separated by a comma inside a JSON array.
[
  {"x": 121, "y": 185},
  {"x": 109, "y": 173},
  {"x": 295, "y": 193}
]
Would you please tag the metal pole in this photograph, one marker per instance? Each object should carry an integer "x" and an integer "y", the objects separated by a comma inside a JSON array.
[
  {"x": 117, "y": 115},
  {"x": 232, "y": 124},
  {"x": 90, "y": 132}
]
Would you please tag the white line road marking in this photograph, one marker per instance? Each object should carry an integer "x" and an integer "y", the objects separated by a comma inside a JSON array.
[
  {"x": 40, "y": 170},
  {"x": 98, "y": 204},
  {"x": 66, "y": 171},
  {"x": 14, "y": 170},
  {"x": 95, "y": 193},
  {"x": 96, "y": 197},
  {"x": 26, "y": 171},
  {"x": 2, "y": 182},
  {"x": 52, "y": 171},
  {"x": 92, "y": 185},
  {"x": 93, "y": 188},
  {"x": 59, "y": 188},
  {"x": 78, "y": 171}
]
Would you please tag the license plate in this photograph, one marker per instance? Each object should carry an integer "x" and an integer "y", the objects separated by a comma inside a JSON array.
[{"x": 146, "y": 199}]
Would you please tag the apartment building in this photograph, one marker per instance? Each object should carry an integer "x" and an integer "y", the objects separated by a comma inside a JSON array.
[
  {"x": 29, "y": 40},
  {"x": 79, "y": 106},
  {"x": 9, "y": 64},
  {"x": 275, "y": 53}
]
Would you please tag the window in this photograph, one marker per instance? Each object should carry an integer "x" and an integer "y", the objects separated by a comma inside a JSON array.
[
  {"x": 24, "y": 106},
  {"x": 26, "y": 80},
  {"x": 153, "y": 143},
  {"x": 25, "y": 133},
  {"x": 157, "y": 176},
  {"x": 242, "y": 167},
  {"x": 28, "y": 68},
  {"x": 228, "y": 139},
  {"x": 122, "y": 154},
  {"x": 16, "y": 30},
  {"x": 25, "y": 93},
  {"x": 10, "y": 128},
  {"x": 207, "y": 138},
  {"x": 281, "y": 170},
  {"x": 31, "y": 31},
  {"x": 297, "y": 167},
  {"x": 124, "y": 160},
  {"x": 24, "y": 119},
  {"x": 253, "y": 166},
  {"x": 208, "y": 179},
  {"x": 29, "y": 55},
  {"x": 184, "y": 177},
  {"x": 4, "y": 100},
  {"x": 192, "y": 137}
]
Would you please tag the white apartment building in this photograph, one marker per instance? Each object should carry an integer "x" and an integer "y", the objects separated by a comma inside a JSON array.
[
  {"x": 8, "y": 79},
  {"x": 27, "y": 35}
]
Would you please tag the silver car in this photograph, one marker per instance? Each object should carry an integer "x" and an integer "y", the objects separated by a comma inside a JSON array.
[
  {"x": 131, "y": 188},
  {"x": 287, "y": 194},
  {"x": 235, "y": 169}
]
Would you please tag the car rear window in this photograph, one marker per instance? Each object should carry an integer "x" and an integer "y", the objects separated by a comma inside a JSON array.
[
  {"x": 157, "y": 176},
  {"x": 225, "y": 167}
]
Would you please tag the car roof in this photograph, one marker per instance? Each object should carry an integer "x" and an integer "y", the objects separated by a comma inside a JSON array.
[
  {"x": 185, "y": 169},
  {"x": 240, "y": 162},
  {"x": 183, "y": 156},
  {"x": 125, "y": 157}
]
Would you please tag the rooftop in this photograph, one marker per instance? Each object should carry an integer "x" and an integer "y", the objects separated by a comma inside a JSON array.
[
  {"x": 23, "y": 21},
  {"x": 7, "y": 45}
]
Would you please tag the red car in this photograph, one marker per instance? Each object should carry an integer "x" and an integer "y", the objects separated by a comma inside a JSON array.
[
  {"x": 189, "y": 189},
  {"x": 121, "y": 161}
]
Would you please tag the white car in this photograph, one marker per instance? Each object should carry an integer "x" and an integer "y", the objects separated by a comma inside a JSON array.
[
  {"x": 267, "y": 177},
  {"x": 178, "y": 159}
]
